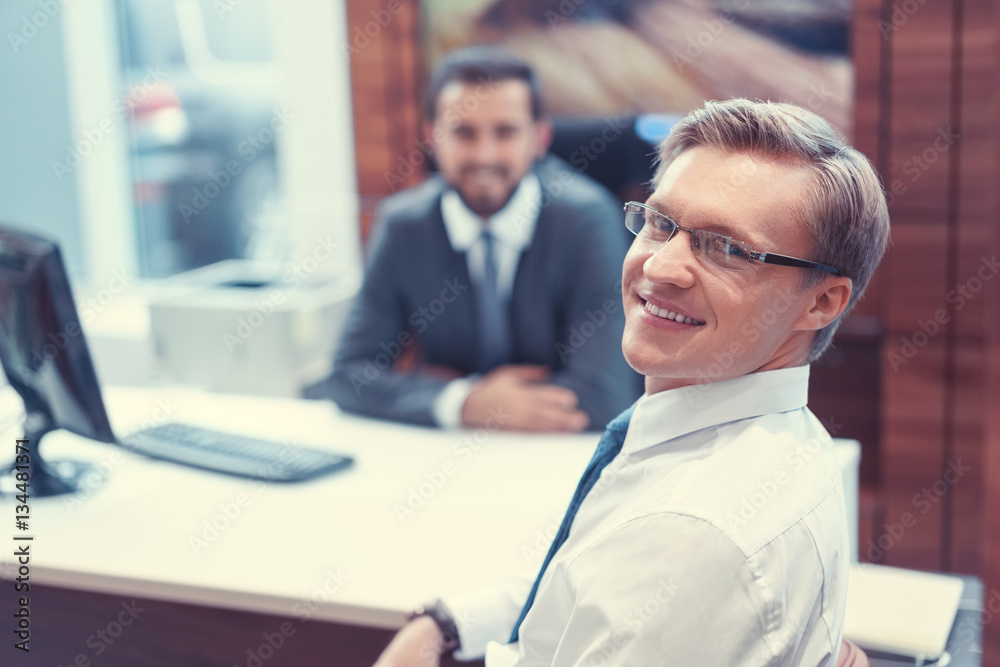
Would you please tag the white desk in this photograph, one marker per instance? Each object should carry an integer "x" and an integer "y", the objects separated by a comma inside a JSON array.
[{"x": 133, "y": 535}]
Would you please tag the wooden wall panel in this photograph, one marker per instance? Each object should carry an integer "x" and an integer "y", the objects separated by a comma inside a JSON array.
[
  {"x": 920, "y": 109},
  {"x": 991, "y": 523},
  {"x": 982, "y": 90},
  {"x": 916, "y": 108},
  {"x": 915, "y": 272},
  {"x": 913, "y": 438},
  {"x": 975, "y": 178},
  {"x": 912, "y": 451},
  {"x": 867, "y": 47},
  {"x": 386, "y": 77},
  {"x": 965, "y": 502},
  {"x": 937, "y": 69},
  {"x": 930, "y": 132},
  {"x": 975, "y": 254}
]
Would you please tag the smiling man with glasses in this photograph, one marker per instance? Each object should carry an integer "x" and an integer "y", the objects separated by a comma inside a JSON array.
[{"x": 710, "y": 526}]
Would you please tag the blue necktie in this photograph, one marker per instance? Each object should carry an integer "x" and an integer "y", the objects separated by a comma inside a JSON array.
[
  {"x": 494, "y": 328},
  {"x": 607, "y": 449}
]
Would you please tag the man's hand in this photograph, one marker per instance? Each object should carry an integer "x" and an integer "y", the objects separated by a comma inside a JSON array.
[
  {"x": 521, "y": 393},
  {"x": 418, "y": 644}
]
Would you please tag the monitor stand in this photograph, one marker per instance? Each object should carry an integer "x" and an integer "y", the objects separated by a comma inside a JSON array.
[{"x": 45, "y": 478}]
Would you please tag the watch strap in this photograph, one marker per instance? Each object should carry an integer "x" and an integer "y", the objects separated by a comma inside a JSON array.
[{"x": 442, "y": 617}]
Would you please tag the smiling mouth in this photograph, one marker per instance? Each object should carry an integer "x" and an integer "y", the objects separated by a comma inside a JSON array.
[
  {"x": 665, "y": 314},
  {"x": 484, "y": 176}
]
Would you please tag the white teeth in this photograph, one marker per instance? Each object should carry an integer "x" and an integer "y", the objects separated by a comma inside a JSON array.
[{"x": 670, "y": 315}]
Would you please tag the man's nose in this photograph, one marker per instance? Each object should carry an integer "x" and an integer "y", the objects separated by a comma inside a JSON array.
[
  {"x": 672, "y": 262},
  {"x": 486, "y": 149}
]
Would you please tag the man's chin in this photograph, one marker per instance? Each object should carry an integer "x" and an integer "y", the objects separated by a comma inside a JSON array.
[
  {"x": 485, "y": 205},
  {"x": 641, "y": 361}
]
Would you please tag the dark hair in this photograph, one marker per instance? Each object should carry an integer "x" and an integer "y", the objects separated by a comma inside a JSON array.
[
  {"x": 480, "y": 64},
  {"x": 847, "y": 213}
]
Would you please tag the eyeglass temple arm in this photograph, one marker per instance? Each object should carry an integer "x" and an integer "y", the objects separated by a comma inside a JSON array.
[{"x": 784, "y": 260}]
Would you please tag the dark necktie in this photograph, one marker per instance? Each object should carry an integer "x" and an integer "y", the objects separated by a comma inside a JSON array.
[
  {"x": 608, "y": 447},
  {"x": 494, "y": 328}
]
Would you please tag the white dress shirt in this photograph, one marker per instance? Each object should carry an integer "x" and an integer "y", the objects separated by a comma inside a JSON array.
[
  {"x": 512, "y": 228},
  {"x": 717, "y": 537}
]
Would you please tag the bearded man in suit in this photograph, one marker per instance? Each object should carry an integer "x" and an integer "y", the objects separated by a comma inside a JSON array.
[{"x": 497, "y": 280}]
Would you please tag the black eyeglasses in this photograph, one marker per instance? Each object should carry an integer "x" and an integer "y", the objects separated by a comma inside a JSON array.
[{"x": 655, "y": 228}]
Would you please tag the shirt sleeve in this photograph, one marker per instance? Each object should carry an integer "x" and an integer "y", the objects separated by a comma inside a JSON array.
[
  {"x": 447, "y": 407},
  {"x": 665, "y": 585},
  {"x": 488, "y": 614}
]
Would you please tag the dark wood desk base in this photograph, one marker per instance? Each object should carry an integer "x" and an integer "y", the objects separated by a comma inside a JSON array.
[{"x": 84, "y": 629}]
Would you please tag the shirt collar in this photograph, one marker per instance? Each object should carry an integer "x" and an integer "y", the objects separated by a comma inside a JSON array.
[
  {"x": 513, "y": 225},
  {"x": 676, "y": 412}
]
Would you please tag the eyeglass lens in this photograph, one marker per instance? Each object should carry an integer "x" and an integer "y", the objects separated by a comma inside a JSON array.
[{"x": 716, "y": 248}]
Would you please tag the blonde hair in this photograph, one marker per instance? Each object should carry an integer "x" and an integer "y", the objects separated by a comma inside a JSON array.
[{"x": 846, "y": 212}]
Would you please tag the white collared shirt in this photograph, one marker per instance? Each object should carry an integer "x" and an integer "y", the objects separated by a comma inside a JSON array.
[
  {"x": 512, "y": 228},
  {"x": 717, "y": 536}
]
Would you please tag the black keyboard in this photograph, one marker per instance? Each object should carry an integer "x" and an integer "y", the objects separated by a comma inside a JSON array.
[{"x": 234, "y": 454}]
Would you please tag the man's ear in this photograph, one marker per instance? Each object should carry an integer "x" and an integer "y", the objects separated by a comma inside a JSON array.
[
  {"x": 830, "y": 299},
  {"x": 543, "y": 137}
]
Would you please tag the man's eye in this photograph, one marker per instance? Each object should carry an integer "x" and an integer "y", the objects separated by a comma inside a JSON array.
[
  {"x": 664, "y": 224},
  {"x": 659, "y": 227},
  {"x": 650, "y": 231},
  {"x": 733, "y": 249}
]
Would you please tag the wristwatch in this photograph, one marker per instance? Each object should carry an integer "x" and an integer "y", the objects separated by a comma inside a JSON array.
[{"x": 439, "y": 613}]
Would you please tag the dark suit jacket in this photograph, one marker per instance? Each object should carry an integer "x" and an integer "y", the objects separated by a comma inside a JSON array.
[{"x": 565, "y": 308}]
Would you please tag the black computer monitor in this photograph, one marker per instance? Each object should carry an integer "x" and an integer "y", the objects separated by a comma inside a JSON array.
[{"x": 45, "y": 356}]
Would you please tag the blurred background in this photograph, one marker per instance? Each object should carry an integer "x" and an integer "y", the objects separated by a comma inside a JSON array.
[
  {"x": 154, "y": 138},
  {"x": 216, "y": 83}
]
